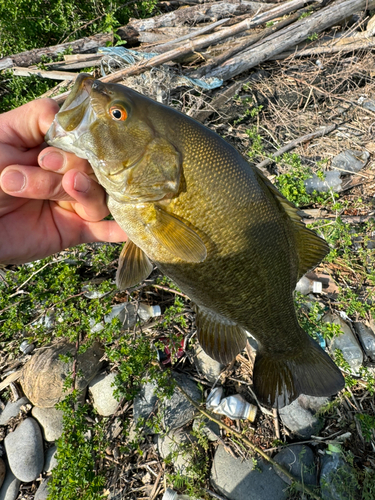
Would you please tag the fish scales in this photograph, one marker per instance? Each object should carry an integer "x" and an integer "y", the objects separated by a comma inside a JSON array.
[{"x": 191, "y": 203}]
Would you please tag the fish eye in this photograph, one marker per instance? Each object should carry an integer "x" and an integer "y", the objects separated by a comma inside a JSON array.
[{"x": 118, "y": 114}]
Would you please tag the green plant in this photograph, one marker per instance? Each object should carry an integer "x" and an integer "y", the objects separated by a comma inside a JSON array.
[
  {"x": 313, "y": 37},
  {"x": 78, "y": 474},
  {"x": 291, "y": 184},
  {"x": 367, "y": 423}
]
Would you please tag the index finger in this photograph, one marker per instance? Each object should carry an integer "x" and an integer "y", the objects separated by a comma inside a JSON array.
[{"x": 26, "y": 126}]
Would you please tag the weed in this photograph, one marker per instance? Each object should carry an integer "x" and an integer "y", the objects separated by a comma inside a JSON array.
[
  {"x": 313, "y": 37},
  {"x": 77, "y": 474}
]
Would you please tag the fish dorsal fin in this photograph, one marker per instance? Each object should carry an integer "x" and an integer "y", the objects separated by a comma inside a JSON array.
[
  {"x": 133, "y": 266},
  {"x": 176, "y": 236},
  {"x": 219, "y": 337},
  {"x": 311, "y": 248}
]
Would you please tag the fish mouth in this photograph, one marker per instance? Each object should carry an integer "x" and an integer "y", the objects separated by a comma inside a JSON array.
[{"x": 74, "y": 118}]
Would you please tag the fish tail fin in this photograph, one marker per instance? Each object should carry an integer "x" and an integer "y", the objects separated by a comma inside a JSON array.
[{"x": 280, "y": 380}]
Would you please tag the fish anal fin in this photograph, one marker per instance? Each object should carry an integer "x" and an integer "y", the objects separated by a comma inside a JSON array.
[
  {"x": 219, "y": 337},
  {"x": 278, "y": 380},
  {"x": 311, "y": 248},
  {"x": 133, "y": 266},
  {"x": 174, "y": 235}
]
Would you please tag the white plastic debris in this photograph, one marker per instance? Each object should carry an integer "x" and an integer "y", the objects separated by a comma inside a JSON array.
[
  {"x": 92, "y": 294},
  {"x": 170, "y": 494},
  {"x": 128, "y": 313},
  {"x": 349, "y": 161},
  {"x": 347, "y": 343},
  {"x": 331, "y": 181},
  {"x": 26, "y": 348},
  {"x": 367, "y": 338},
  {"x": 232, "y": 406},
  {"x": 305, "y": 286}
]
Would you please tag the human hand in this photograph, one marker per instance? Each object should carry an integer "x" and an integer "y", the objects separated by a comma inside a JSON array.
[{"x": 49, "y": 199}]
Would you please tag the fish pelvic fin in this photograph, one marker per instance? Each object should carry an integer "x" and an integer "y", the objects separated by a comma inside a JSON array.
[
  {"x": 311, "y": 249},
  {"x": 133, "y": 266},
  {"x": 280, "y": 380},
  {"x": 219, "y": 337}
]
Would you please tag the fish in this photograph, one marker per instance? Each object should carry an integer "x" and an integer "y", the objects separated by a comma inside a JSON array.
[{"x": 192, "y": 205}]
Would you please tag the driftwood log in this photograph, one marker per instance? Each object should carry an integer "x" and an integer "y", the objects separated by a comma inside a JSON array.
[
  {"x": 202, "y": 42},
  {"x": 289, "y": 37},
  {"x": 131, "y": 32}
]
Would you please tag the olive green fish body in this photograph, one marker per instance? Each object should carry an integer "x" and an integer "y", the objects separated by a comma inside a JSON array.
[{"x": 190, "y": 203}]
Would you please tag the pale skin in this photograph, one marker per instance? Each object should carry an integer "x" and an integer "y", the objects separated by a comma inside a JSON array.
[{"x": 49, "y": 199}]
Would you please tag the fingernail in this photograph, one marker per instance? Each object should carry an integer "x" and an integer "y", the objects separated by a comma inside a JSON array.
[
  {"x": 13, "y": 180},
  {"x": 81, "y": 183},
  {"x": 53, "y": 161}
]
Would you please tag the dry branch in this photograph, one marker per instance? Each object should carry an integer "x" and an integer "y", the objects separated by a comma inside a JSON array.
[
  {"x": 31, "y": 57},
  {"x": 296, "y": 142},
  {"x": 290, "y": 36},
  {"x": 239, "y": 47},
  {"x": 349, "y": 44},
  {"x": 197, "y": 14},
  {"x": 163, "y": 47},
  {"x": 53, "y": 75}
]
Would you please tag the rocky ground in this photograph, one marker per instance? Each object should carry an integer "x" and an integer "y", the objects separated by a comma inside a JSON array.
[{"x": 149, "y": 441}]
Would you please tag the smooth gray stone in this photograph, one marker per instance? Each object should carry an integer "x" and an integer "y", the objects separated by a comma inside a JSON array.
[
  {"x": 50, "y": 460},
  {"x": 12, "y": 410},
  {"x": 10, "y": 487},
  {"x": 176, "y": 443},
  {"x": 42, "y": 491},
  {"x": 209, "y": 368},
  {"x": 335, "y": 478},
  {"x": 300, "y": 416},
  {"x": 299, "y": 461},
  {"x": 24, "y": 449},
  {"x": 145, "y": 405},
  {"x": 177, "y": 411},
  {"x": 239, "y": 480},
  {"x": 50, "y": 420},
  {"x": 102, "y": 388},
  {"x": 208, "y": 428}
]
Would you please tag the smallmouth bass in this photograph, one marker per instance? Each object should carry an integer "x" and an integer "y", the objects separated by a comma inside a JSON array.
[{"x": 190, "y": 203}]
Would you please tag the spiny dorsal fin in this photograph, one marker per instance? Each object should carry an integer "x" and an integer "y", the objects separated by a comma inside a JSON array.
[
  {"x": 133, "y": 266},
  {"x": 311, "y": 248},
  {"x": 219, "y": 337},
  {"x": 177, "y": 237}
]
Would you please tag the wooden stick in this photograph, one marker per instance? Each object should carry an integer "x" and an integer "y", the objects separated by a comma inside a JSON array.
[
  {"x": 290, "y": 36},
  {"x": 163, "y": 47},
  {"x": 216, "y": 61},
  {"x": 35, "y": 56},
  {"x": 199, "y": 13},
  {"x": 204, "y": 41},
  {"x": 353, "y": 44},
  {"x": 296, "y": 142},
  {"x": 54, "y": 75},
  {"x": 251, "y": 445}
]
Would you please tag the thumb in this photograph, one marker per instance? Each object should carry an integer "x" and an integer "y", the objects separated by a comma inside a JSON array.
[{"x": 26, "y": 126}]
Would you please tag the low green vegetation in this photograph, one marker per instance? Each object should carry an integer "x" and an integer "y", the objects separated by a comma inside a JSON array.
[{"x": 41, "y": 23}]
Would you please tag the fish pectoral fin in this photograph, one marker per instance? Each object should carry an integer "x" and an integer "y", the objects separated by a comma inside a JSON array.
[
  {"x": 177, "y": 237},
  {"x": 219, "y": 337},
  {"x": 133, "y": 266},
  {"x": 279, "y": 379},
  {"x": 311, "y": 248}
]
